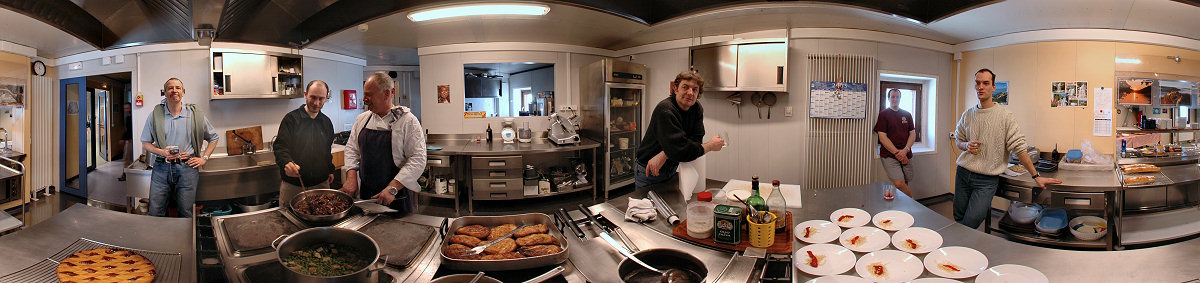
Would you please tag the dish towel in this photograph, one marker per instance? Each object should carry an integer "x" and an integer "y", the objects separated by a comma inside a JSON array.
[
  {"x": 691, "y": 177},
  {"x": 640, "y": 210}
]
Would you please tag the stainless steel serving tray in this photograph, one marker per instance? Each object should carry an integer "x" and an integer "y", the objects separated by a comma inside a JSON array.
[{"x": 504, "y": 264}]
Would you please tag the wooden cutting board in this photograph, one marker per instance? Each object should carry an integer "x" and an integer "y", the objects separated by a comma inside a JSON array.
[
  {"x": 234, "y": 146},
  {"x": 782, "y": 245}
]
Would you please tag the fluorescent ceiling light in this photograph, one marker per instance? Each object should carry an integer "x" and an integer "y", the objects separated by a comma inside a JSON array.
[
  {"x": 911, "y": 20},
  {"x": 479, "y": 10},
  {"x": 1128, "y": 60}
]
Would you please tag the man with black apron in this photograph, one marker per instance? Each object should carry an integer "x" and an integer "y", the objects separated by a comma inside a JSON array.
[{"x": 386, "y": 150}]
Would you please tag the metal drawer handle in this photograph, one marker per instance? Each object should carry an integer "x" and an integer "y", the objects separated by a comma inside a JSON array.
[
  {"x": 1077, "y": 201},
  {"x": 496, "y": 163},
  {"x": 497, "y": 185},
  {"x": 1013, "y": 194},
  {"x": 435, "y": 161},
  {"x": 496, "y": 173},
  {"x": 499, "y": 195}
]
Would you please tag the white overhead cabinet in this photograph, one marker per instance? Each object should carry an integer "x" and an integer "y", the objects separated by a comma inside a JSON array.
[
  {"x": 754, "y": 65},
  {"x": 248, "y": 75}
]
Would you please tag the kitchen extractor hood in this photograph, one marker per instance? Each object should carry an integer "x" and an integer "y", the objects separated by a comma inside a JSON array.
[{"x": 742, "y": 65}]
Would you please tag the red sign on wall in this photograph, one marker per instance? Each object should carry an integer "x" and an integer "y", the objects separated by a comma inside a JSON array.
[{"x": 349, "y": 99}]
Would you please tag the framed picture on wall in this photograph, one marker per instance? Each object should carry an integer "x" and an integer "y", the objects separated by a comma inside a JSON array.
[
  {"x": 12, "y": 92},
  {"x": 1134, "y": 91},
  {"x": 1174, "y": 93},
  {"x": 1000, "y": 96}
]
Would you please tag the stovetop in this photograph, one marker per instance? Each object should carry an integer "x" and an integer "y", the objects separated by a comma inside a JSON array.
[
  {"x": 228, "y": 245},
  {"x": 272, "y": 271}
]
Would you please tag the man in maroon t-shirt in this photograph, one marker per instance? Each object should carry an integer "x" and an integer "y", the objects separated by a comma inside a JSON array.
[{"x": 895, "y": 127}]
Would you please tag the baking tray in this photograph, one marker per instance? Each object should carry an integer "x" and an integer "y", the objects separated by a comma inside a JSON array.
[{"x": 504, "y": 264}]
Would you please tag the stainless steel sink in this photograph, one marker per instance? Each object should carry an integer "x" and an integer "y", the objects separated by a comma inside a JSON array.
[{"x": 236, "y": 176}]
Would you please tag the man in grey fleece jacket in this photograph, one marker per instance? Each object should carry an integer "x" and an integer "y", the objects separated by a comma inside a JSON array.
[{"x": 986, "y": 134}]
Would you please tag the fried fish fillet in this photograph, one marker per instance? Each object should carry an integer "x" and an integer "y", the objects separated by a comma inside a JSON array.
[
  {"x": 465, "y": 240},
  {"x": 499, "y": 231},
  {"x": 530, "y": 230},
  {"x": 458, "y": 251},
  {"x": 508, "y": 255},
  {"x": 503, "y": 246},
  {"x": 540, "y": 250},
  {"x": 477, "y": 231},
  {"x": 537, "y": 239}
]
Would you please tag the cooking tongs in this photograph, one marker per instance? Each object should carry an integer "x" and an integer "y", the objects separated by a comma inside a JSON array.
[{"x": 736, "y": 100}]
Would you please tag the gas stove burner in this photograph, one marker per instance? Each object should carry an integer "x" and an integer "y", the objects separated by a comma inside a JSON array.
[{"x": 272, "y": 271}]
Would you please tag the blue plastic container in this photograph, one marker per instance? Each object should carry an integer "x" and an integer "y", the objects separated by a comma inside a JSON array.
[
  {"x": 1053, "y": 220},
  {"x": 1074, "y": 156}
]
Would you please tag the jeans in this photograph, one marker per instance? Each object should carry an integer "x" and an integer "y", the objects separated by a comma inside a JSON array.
[
  {"x": 973, "y": 196},
  {"x": 641, "y": 180},
  {"x": 173, "y": 178}
]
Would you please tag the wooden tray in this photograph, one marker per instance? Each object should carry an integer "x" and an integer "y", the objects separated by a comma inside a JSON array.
[{"x": 783, "y": 241}]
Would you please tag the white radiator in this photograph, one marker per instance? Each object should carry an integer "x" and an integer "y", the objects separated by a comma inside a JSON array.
[
  {"x": 840, "y": 151},
  {"x": 41, "y": 172}
]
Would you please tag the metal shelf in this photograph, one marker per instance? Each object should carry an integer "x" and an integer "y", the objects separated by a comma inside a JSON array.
[
  {"x": 578, "y": 189},
  {"x": 436, "y": 195},
  {"x": 1066, "y": 240},
  {"x": 1153, "y": 131}
]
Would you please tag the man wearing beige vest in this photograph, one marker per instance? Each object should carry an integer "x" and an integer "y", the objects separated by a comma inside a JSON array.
[
  {"x": 174, "y": 133},
  {"x": 986, "y": 133}
]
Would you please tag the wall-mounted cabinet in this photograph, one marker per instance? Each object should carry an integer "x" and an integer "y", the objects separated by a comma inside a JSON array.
[
  {"x": 251, "y": 75},
  {"x": 743, "y": 65}
]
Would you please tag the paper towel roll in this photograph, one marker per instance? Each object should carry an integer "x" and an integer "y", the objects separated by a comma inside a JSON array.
[{"x": 691, "y": 177}]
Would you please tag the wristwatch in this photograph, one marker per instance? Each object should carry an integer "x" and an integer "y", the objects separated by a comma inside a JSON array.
[
  {"x": 392, "y": 190},
  {"x": 1035, "y": 176}
]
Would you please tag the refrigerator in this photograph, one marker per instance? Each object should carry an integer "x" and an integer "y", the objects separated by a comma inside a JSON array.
[{"x": 611, "y": 109}]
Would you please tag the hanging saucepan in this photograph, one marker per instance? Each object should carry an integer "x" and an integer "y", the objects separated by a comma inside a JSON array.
[
  {"x": 757, "y": 100},
  {"x": 360, "y": 243},
  {"x": 662, "y": 259},
  {"x": 769, "y": 100}
]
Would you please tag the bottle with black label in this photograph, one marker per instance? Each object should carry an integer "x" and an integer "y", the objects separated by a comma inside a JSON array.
[{"x": 489, "y": 132}]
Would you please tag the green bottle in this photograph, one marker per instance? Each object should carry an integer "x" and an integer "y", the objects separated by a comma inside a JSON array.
[{"x": 756, "y": 200}]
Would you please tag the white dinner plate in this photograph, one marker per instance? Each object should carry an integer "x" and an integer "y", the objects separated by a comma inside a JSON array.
[
  {"x": 934, "y": 280},
  {"x": 1012, "y": 273},
  {"x": 822, "y": 231},
  {"x": 895, "y": 220},
  {"x": 870, "y": 239},
  {"x": 926, "y": 240},
  {"x": 898, "y": 266},
  {"x": 859, "y": 217},
  {"x": 839, "y": 279},
  {"x": 968, "y": 261},
  {"x": 831, "y": 259}
]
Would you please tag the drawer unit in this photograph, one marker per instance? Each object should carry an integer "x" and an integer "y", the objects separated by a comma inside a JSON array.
[
  {"x": 498, "y": 162},
  {"x": 492, "y": 189},
  {"x": 1145, "y": 198},
  {"x": 1089, "y": 201},
  {"x": 497, "y": 174},
  {"x": 440, "y": 161},
  {"x": 1016, "y": 193}
]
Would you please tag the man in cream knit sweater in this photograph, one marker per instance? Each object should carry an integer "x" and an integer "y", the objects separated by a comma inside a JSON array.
[{"x": 986, "y": 133}]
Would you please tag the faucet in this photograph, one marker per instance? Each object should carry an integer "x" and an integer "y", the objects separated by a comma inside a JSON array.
[{"x": 247, "y": 145}]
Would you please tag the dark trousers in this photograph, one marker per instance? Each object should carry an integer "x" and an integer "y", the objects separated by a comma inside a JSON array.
[{"x": 973, "y": 194}]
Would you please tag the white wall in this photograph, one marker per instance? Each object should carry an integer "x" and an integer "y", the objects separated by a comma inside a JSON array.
[
  {"x": 190, "y": 66},
  {"x": 776, "y": 148},
  {"x": 446, "y": 69}
]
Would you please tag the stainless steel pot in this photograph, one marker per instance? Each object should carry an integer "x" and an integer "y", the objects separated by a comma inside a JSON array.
[
  {"x": 302, "y": 196},
  {"x": 661, "y": 259},
  {"x": 330, "y": 235},
  {"x": 464, "y": 278}
]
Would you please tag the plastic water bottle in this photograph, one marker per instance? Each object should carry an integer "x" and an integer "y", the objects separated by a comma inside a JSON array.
[{"x": 700, "y": 216}]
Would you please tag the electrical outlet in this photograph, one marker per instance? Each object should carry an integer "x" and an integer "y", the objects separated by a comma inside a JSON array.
[{"x": 787, "y": 111}]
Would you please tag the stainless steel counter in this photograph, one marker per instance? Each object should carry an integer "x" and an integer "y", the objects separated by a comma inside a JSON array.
[
  {"x": 27, "y": 247},
  {"x": 496, "y": 147},
  {"x": 1169, "y": 263},
  {"x": 1182, "y": 174},
  {"x": 1073, "y": 181}
]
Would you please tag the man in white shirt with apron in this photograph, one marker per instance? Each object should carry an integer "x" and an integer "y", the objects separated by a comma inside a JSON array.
[{"x": 386, "y": 151}]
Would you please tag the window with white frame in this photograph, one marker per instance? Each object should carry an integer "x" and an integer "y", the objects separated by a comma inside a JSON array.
[{"x": 918, "y": 96}]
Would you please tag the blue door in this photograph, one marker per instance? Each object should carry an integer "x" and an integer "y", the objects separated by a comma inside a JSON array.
[{"x": 73, "y": 130}]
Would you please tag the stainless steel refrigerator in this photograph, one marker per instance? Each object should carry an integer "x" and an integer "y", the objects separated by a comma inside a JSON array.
[{"x": 611, "y": 109}]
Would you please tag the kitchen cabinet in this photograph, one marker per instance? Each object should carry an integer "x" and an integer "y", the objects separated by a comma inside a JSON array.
[
  {"x": 747, "y": 65},
  {"x": 239, "y": 75}
]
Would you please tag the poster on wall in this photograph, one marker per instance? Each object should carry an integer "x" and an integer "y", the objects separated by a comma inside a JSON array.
[
  {"x": 1068, "y": 94},
  {"x": 837, "y": 100},
  {"x": 443, "y": 94},
  {"x": 1174, "y": 93},
  {"x": 1000, "y": 96},
  {"x": 1102, "y": 124},
  {"x": 12, "y": 92},
  {"x": 1134, "y": 91}
]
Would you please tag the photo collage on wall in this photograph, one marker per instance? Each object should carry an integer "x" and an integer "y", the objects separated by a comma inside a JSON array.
[{"x": 1068, "y": 94}]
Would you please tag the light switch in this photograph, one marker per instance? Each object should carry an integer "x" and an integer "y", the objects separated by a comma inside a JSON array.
[{"x": 787, "y": 111}]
